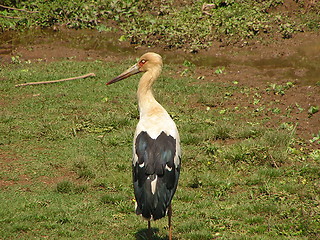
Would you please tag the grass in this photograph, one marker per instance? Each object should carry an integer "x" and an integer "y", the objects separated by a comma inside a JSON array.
[{"x": 66, "y": 152}]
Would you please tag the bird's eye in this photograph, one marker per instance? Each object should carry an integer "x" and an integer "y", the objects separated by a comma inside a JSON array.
[{"x": 142, "y": 62}]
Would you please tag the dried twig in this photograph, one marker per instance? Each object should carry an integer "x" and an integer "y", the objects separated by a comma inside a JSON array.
[
  {"x": 10, "y": 17},
  {"x": 207, "y": 6},
  {"x": 55, "y": 81},
  {"x": 22, "y": 10}
]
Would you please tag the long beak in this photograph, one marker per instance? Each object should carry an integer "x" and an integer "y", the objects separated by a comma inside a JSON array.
[{"x": 129, "y": 72}]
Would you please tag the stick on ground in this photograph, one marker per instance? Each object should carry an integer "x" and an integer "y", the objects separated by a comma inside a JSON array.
[
  {"x": 55, "y": 81},
  {"x": 23, "y": 10}
]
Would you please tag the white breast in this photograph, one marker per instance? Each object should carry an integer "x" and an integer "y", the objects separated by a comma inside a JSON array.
[{"x": 155, "y": 124}]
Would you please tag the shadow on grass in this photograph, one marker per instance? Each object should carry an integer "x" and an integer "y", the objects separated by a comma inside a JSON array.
[{"x": 143, "y": 234}]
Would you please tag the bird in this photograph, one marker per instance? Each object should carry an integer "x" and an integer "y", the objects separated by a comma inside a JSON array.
[{"x": 156, "y": 160}]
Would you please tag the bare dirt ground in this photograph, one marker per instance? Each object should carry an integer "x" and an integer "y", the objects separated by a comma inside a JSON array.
[{"x": 255, "y": 67}]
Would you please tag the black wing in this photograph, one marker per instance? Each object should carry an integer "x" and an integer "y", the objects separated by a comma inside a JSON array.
[{"x": 155, "y": 176}]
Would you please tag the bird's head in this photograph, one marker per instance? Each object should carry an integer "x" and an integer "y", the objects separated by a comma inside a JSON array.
[{"x": 147, "y": 61}]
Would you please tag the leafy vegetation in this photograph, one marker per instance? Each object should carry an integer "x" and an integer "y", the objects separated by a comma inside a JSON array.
[
  {"x": 66, "y": 151},
  {"x": 192, "y": 26}
]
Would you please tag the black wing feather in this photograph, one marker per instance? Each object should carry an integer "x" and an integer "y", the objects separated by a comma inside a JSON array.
[{"x": 153, "y": 157}]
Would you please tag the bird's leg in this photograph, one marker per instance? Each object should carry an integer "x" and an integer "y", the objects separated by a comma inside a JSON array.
[
  {"x": 149, "y": 230},
  {"x": 169, "y": 221}
]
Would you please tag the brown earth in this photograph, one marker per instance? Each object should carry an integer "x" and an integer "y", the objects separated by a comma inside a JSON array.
[{"x": 295, "y": 61}]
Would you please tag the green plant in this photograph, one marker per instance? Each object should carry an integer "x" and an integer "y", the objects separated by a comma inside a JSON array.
[
  {"x": 219, "y": 70},
  {"x": 279, "y": 89},
  {"x": 315, "y": 155},
  {"x": 112, "y": 199},
  {"x": 287, "y": 30},
  {"x": 83, "y": 170},
  {"x": 316, "y": 138},
  {"x": 65, "y": 187},
  {"x": 16, "y": 59},
  {"x": 166, "y": 23},
  {"x": 313, "y": 109},
  {"x": 222, "y": 131}
]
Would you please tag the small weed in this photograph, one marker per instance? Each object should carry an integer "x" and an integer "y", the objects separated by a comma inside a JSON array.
[
  {"x": 246, "y": 131},
  {"x": 256, "y": 101},
  {"x": 222, "y": 131},
  {"x": 21, "y": 228},
  {"x": 112, "y": 198},
  {"x": 312, "y": 110},
  {"x": 15, "y": 59},
  {"x": 275, "y": 110},
  {"x": 83, "y": 170},
  {"x": 65, "y": 187},
  {"x": 316, "y": 138},
  {"x": 220, "y": 70},
  {"x": 80, "y": 189},
  {"x": 236, "y": 153},
  {"x": 211, "y": 149},
  {"x": 299, "y": 108},
  {"x": 191, "y": 139},
  {"x": 69, "y": 187},
  {"x": 103, "y": 28},
  {"x": 279, "y": 89},
  {"x": 315, "y": 155},
  {"x": 185, "y": 72},
  {"x": 124, "y": 206},
  {"x": 270, "y": 173},
  {"x": 287, "y": 30},
  {"x": 287, "y": 126},
  {"x": 196, "y": 182},
  {"x": 88, "y": 126},
  {"x": 186, "y": 63},
  {"x": 266, "y": 208},
  {"x": 223, "y": 111},
  {"x": 221, "y": 189},
  {"x": 280, "y": 139},
  {"x": 255, "y": 220}
]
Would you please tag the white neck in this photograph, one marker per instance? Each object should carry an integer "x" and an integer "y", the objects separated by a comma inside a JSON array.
[{"x": 146, "y": 101}]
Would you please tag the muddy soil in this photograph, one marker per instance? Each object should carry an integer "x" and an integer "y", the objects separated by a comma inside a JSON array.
[{"x": 255, "y": 67}]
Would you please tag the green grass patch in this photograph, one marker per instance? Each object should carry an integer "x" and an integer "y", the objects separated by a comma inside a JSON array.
[{"x": 66, "y": 161}]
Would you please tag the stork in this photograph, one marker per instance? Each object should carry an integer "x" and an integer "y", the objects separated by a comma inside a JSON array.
[{"x": 156, "y": 146}]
